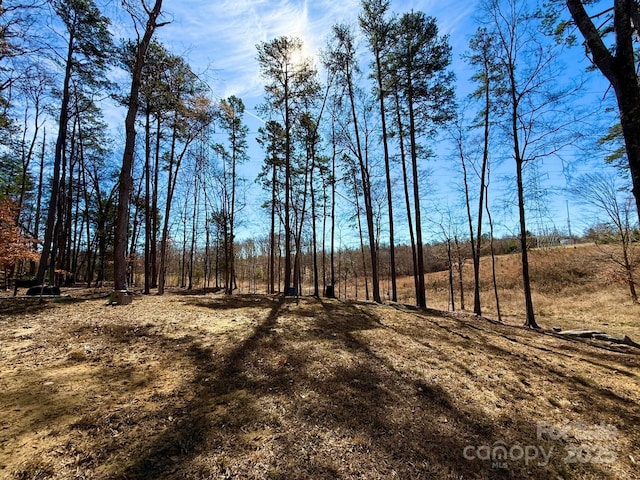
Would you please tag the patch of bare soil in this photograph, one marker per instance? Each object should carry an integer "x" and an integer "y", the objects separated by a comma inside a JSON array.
[{"x": 214, "y": 387}]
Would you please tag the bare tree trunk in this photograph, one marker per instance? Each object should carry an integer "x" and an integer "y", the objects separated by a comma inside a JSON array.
[
  {"x": 272, "y": 251},
  {"x": 57, "y": 245},
  {"x": 362, "y": 251},
  {"x": 125, "y": 181},
  {"x": 28, "y": 155},
  {"x": 387, "y": 171},
  {"x": 78, "y": 228},
  {"x": 164, "y": 238},
  {"x": 207, "y": 253},
  {"x": 325, "y": 199},
  {"x": 67, "y": 246},
  {"x": 405, "y": 178},
  {"x": 183, "y": 263},
  {"x": 153, "y": 248},
  {"x": 314, "y": 239},
  {"x": 231, "y": 249},
  {"x": 452, "y": 296},
  {"x": 36, "y": 226},
  {"x": 48, "y": 252},
  {"x": 135, "y": 232},
  {"x": 333, "y": 210},
  {"x": 174, "y": 167},
  {"x": 217, "y": 264},
  {"x": 297, "y": 281},
  {"x": 460, "y": 268},
  {"x": 287, "y": 191},
  {"x": 89, "y": 252},
  {"x": 422, "y": 295},
  {"x": 477, "y": 306},
  {"x": 475, "y": 252},
  {"x": 628, "y": 267},
  {"x": 193, "y": 232},
  {"x": 493, "y": 256},
  {"x": 530, "y": 320},
  {"x": 366, "y": 193},
  {"x": 84, "y": 219},
  {"x": 526, "y": 281},
  {"x": 147, "y": 202}
]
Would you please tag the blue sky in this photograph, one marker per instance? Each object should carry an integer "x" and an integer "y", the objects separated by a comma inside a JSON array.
[
  {"x": 219, "y": 41},
  {"x": 220, "y": 37}
]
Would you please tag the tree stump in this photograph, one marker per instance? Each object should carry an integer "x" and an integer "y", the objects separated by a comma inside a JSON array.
[{"x": 120, "y": 297}]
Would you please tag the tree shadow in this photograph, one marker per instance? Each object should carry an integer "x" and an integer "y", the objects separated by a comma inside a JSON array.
[
  {"x": 311, "y": 392},
  {"x": 212, "y": 386},
  {"x": 236, "y": 301},
  {"x": 362, "y": 413},
  {"x": 387, "y": 417},
  {"x": 442, "y": 448},
  {"x": 11, "y": 306},
  {"x": 196, "y": 291}
]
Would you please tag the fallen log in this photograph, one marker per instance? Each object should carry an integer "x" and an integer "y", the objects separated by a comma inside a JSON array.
[
  {"x": 625, "y": 339},
  {"x": 581, "y": 333},
  {"x": 599, "y": 335}
]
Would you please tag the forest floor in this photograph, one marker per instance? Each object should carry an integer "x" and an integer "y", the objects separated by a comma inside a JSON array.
[{"x": 253, "y": 386}]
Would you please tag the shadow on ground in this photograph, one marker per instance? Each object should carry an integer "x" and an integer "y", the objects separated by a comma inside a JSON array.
[
  {"x": 325, "y": 389},
  {"x": 231, "y": 302},
  {"x": 358, "y": 415}
]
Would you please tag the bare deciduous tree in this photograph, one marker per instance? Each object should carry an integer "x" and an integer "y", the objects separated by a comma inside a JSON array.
[
  {"x": 126, "y": 182},
  {"x": 604, "y": 193},
  {"x": 532, "y": 118}
]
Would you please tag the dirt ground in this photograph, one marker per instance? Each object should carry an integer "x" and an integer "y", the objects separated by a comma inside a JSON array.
[{"x": 204, "y": 386}]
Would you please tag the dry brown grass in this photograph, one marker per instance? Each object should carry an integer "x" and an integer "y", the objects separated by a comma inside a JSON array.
[
  {"x": 208, "y": 387},
  {"x": 573, "y": 288}
]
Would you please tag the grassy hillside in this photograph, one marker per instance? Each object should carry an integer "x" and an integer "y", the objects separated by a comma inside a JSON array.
[{"x": 574, "y": 287}]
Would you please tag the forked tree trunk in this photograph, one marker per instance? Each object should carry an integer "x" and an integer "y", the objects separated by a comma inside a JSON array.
[{"x": 125, "y": 180}]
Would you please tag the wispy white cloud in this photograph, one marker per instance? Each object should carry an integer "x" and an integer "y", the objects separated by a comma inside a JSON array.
[
  {"x": 222, "y": 37},
  {"x": 219, "y": 38}
]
